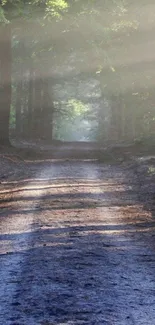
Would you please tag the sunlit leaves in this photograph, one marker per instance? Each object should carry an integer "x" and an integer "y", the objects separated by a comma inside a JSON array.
[
  {"x": 2, "y": 16},
  {"x": 55, "y": 8},
  {"x": 123, "y": 25},
  {"x": 77, "y": 107},
  {"x": 3, "y": 2},
  {"x": 49, "y": 8}
]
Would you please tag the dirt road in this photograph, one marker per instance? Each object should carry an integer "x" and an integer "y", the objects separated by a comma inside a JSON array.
[{"x": 77, "y": 247}]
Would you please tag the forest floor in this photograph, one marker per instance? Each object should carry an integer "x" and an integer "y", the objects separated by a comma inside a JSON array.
[{"x": 77, "y": 241}]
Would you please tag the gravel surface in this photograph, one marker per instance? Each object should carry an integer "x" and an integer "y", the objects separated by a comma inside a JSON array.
[{"x": 77, "y": 245}]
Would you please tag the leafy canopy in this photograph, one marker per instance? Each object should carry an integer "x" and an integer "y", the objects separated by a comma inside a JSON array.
[{"x": 10, "y": 9}]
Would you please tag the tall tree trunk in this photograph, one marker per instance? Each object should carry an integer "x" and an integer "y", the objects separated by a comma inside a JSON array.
[
  {"x": 5, "y": 82},
  {"x": 122, "y": 119},
  {"x": 18, "y": 107},
  {"x": 47, "y": 113},
  {"x": 19, "y": 90},
  {"x": 37, "y": 106},
  {"x": 30, "y": 99},
  {"x": 115, "y": 118},
  {"x": 129, "y": 120}
]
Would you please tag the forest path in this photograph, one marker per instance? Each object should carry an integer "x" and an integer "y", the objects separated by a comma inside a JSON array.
[{"x": 76, "y": 247}]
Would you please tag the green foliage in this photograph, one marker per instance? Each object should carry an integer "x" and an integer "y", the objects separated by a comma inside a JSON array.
[
  {"x": 30, "y": 8},
  {"x": 70, "y": 122},
  {"x": 56, "y": 7},
  {"x": 3, "y": 19},
  {"x": 76, "y": 108}
]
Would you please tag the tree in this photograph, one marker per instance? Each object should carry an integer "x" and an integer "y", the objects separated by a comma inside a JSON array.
[
  {"x": 5, "y": 82},
  {"x": 8, "y": 10}
]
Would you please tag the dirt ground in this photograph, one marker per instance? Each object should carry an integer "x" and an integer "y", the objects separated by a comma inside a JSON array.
[{"x": 77, "y": 242}]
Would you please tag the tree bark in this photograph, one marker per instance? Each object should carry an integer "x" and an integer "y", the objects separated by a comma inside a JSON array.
[
  {"x": 47, "y": 113},
  {"x": 37, "y": 127},
  {"x": 5, "y": 83},
  {"x": 18, "y": 106},
  {"x": 30, "y": 100}
]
